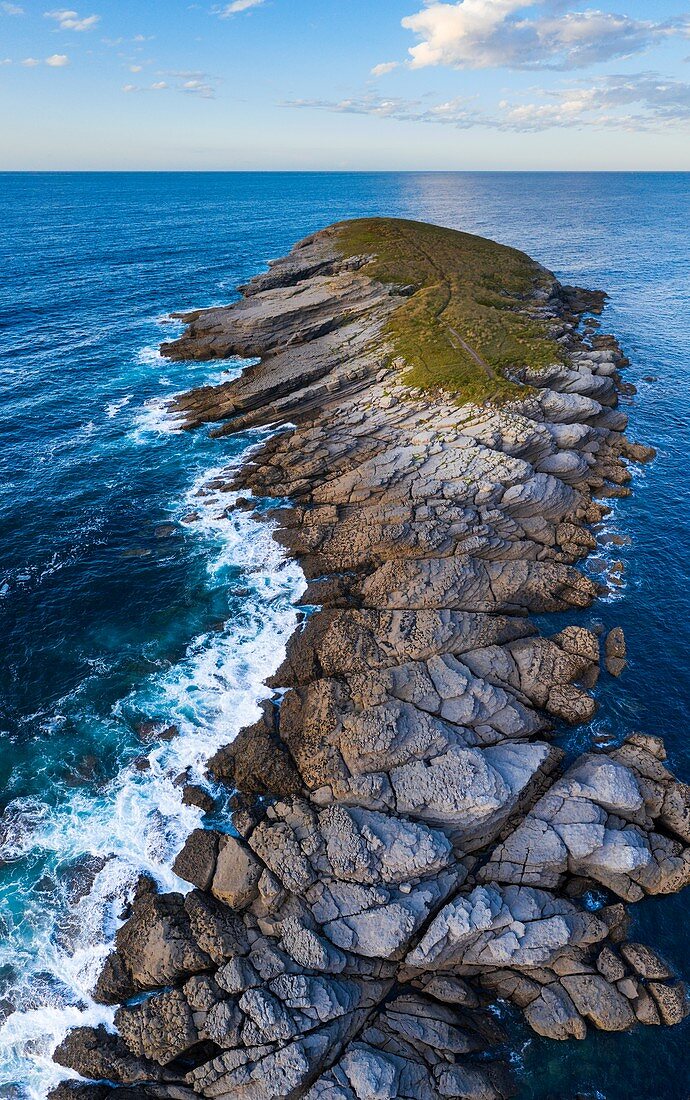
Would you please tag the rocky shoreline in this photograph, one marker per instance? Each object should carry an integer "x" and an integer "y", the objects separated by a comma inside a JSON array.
[{"x": 411, "y": 845}]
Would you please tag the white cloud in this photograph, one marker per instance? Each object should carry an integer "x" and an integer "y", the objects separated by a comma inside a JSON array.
[
  {"x": 68, "y": 20},
  {"x": 643, "y": 102},
  {"x": 6, "y": 61},
  {"x": 191, "y": 83},
  {"x": 158, "y": 86},
  {"x": 135, "y": 68},
  {"x": 482, "y": 34},
  {"x": 198, "y": 87},
  {"x": 384, "y": 67},
  {"x": 11, "y": 9},
  {"x": 55, "y": 61},
  {"x": 461, "y": 112},
  {"x": 639, "y": 102},
  {"x": 238, "y": 6}
]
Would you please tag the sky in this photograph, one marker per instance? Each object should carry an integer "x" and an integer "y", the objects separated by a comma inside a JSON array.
[{"x": 345, "y": 85}]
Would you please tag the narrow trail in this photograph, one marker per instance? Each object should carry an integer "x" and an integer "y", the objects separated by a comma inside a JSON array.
[
  {"x": 490, "y": 372},
  {"x": 455, "y": 337}
]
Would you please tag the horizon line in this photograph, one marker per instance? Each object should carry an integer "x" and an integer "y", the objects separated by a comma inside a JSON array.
[{"x": 344, "y": 171}]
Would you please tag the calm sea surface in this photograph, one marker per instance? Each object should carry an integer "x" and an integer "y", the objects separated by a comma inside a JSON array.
[{"x": 114, "y": 612}]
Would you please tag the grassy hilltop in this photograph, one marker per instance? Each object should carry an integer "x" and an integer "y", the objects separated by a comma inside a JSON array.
[{"x": 464, "y": 329}]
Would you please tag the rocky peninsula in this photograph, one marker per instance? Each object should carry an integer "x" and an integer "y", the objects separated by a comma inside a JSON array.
[{"x": 410, "y": 845}]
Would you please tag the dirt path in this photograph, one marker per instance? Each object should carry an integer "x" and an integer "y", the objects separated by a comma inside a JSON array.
[
  {"x": 456, "y": 339},
  {"x": 491, "y": 373}
]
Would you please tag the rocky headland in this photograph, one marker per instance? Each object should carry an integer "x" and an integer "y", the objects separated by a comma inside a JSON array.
[{"x": 411, "y": 845}]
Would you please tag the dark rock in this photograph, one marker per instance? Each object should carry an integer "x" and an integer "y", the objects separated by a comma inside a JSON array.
[
  {"x": 645, "y": 962},
  {"x": 152, "y": 730},
  {"x": 81, "y": 1090},
  {"x": 97, "y": 1054},
  {"x": 256, "y": 762},
  {"x": 615, "y": 650},
  {"x": 217, "y": 931},
  {"x": 159, "y": 1029},
  {"x": 196, "y": 861},
  {"x": 193, "y": 795},
  {"x": 237, "y": 874},
  {"x": 155, "y": 947},
  {"x": 672, "y": 1001}
]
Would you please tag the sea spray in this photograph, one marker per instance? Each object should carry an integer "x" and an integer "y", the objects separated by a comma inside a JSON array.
[{"x": 89, "y": 850}]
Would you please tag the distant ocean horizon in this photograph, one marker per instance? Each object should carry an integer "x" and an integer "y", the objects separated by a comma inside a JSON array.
[
  {"x": 119, "y": 606},
  {"x": 349, "y": 172}
]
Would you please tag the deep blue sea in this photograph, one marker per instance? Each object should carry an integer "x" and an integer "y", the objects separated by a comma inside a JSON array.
[{"x": 117, "y": 608}]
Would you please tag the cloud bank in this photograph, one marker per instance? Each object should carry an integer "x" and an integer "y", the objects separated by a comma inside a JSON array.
[
  {"x": 485, "y": 34},
  {"x": 642, "y": 101}
]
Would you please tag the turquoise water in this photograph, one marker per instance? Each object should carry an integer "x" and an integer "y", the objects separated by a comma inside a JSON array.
[{"x": 116, "y": 608}]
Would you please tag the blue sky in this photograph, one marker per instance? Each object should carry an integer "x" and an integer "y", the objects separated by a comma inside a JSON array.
[{"x": 345, "y": 84}]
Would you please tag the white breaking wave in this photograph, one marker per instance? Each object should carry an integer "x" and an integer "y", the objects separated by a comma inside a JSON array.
[
  {"x": 137, "y": 823},
  {"x": 149, "y": 355},
  {"x": 154, "y": 418},
  {"x": 114, "y": 407}
]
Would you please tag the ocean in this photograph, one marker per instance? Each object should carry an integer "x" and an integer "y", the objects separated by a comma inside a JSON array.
[{"x": 130, "y": 595}]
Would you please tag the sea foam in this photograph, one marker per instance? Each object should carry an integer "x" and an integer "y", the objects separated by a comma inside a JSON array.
[{"x": 93, "y": 847}]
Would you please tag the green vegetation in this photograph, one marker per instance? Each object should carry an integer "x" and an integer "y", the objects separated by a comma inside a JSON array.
[{"x": 465, "y": 327}]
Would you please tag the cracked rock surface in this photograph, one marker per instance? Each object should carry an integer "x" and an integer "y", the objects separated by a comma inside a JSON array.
[{"x": 410, "y": 846}]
